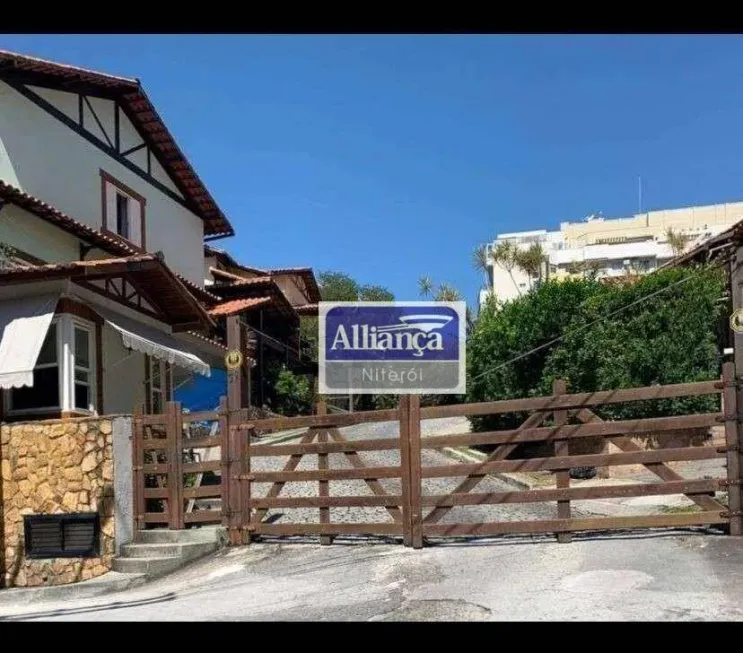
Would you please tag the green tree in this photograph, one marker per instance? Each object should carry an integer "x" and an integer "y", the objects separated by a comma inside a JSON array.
[
  {"x": 293, "y": 393},
  {"x": 532, "y": 262},
  {"x": 670, "y": 337},
  {"x": 338, "y": 287},
  {"x": 676, "y": 241},
  {"x": 372, "y": 293}
]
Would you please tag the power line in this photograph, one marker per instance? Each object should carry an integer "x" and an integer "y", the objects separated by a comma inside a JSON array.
[{"x": 586, "y": 326}]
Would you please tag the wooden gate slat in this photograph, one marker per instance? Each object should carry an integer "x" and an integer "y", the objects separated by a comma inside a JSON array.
[
  {"x": 660, "y": 469},
  {"x": 501, "y": 453},
  {"x": 373, "y": 483},
  {"x": 290, "y": 466}
]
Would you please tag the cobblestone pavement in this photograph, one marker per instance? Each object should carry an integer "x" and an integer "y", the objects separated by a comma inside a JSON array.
[{"x": 459, "y": 514}]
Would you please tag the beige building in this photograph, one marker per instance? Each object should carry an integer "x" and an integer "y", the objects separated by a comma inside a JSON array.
[{"x": 610, "y": 246}]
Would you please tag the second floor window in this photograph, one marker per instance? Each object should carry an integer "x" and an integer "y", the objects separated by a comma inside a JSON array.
[
  {"x": 122, "y": 215},
  {"x": 123, "y": 211}
]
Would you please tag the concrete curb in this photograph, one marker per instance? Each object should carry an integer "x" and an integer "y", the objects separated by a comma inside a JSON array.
[{"x": 111, "y": 582}]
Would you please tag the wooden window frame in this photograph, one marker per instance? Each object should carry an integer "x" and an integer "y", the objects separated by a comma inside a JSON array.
[
  {"x": 107, "y": 220},
  {"x": 166, "y": 382}
]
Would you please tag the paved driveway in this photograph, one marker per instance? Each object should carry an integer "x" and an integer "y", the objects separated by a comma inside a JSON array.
[{"x": 673, "y": 576}]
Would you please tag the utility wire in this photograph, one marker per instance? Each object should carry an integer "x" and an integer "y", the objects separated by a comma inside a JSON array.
[{"x": 590, "y": 324}]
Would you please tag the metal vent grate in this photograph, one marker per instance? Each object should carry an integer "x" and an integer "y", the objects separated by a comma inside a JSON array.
[{"x": 74, "y": 535}]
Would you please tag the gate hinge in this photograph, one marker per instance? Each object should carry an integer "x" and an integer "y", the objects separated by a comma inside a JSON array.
[{"x": 731, "y": 513}]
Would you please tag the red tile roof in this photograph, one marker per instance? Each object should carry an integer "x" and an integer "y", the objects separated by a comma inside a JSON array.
[
  {"x": 163, "y": 288},
  {"x": 306, "y": 309},
  {"x": 140, "y": 111},
  {"x": 50, "y": 214},
  {"x": 238, "y": 305},
  {"x": 84, "y": 232}
]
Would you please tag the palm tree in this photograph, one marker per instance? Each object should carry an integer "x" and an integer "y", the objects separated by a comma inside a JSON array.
[
  {"x": 505, "y": 255},
  {"x": 447, "y": 293},
  {"x": 531, "y": 261},
  {"x": 676, "y": 241},
  {"x": 481, "y": 262},
  {"x": 425, "y": 286}
]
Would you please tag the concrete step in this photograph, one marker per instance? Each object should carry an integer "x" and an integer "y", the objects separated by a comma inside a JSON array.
[
  {"x": 183, "y": 550},
  {"x": 151, "y": 567},
  {"x": 160, "y": 551},
  {"x": 164, "y": 535}
]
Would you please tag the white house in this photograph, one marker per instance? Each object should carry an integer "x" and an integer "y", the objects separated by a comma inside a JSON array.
[{"x": 102, "y": 221}]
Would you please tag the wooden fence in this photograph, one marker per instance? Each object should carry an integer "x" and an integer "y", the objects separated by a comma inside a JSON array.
[{"x": 413, "y": 511}]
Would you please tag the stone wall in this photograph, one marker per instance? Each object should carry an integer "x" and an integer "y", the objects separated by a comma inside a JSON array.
[{"x": 55, "y": 466}]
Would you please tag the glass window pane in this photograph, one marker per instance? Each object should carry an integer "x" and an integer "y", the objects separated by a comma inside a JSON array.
[
  {"x": 157, "y": 402},
  {"x": 122, "y": 215},
  {"x": 82, "y": 375},
  {"x": 48, "y": 353},
  {"x": 156, "y": 379},
  {"x": 43, "y": 394},
  {"x": 82, "y": 396},
  {"x": 82, "y": 350}
]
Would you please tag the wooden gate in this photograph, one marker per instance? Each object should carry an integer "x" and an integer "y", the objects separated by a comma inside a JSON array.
[{"x": 328, "y": 454}]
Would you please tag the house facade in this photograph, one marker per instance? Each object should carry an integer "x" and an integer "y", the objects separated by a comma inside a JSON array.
[
  {"x": 102, "y": 223},
  {"x": 271, "y": 302},
  {"x": 109, "y": 301}
]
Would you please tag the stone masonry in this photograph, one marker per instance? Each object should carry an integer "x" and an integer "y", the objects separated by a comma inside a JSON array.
[{"x": 55, "y": 466}]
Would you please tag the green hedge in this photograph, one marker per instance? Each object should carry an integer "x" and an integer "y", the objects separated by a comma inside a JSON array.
[{"x": 668, "y": 338}]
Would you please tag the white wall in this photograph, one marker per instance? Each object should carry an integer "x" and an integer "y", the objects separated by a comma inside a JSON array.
[
  {"x": 123, "y": 375},
  {"x": 509, "y": 286},
  {"x": 46, "y": 159},
  {"x": 35, "y": 236}
]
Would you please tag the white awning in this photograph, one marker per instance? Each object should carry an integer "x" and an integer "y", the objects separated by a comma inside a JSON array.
[
  {"x": 151, "y": 341},
  {"x": 24, "y": 323}
]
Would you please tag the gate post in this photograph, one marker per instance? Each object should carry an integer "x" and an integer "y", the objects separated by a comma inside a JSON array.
[
  {"x": 403, "y": 412},
  {"x": 138, "y": 468},
  {"x": 233, "y": 453},
  {"x": 323, "y": 487},
  {"x": 562, "y": 448},
  {"x": 732, "y": 409},
  {"x": 416, "y": 509},
  {"x": 175, "y": 464}
]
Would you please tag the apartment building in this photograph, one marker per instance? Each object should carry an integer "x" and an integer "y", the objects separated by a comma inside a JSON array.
[{"x": 608, "y": 247}]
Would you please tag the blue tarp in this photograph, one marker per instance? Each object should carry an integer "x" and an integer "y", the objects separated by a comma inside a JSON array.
[{"x": 201, "y": 392}]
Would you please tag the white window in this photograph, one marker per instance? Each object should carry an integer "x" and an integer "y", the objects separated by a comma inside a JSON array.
[
  {"x": 82, "y": 364},
  {"x": 160, "y": 383},
  {"x": 64, "y": 376},
  {"x": 123, "y": 211}
]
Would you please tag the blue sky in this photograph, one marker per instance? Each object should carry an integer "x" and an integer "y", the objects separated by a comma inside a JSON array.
[{"x": 392, "y": 156}]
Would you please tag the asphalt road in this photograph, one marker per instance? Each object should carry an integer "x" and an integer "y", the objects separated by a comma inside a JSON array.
[{"x": 636, "y": 577}]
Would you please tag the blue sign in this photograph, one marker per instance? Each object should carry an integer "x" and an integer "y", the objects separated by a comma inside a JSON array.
[{"x": 403, "y": 347}]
